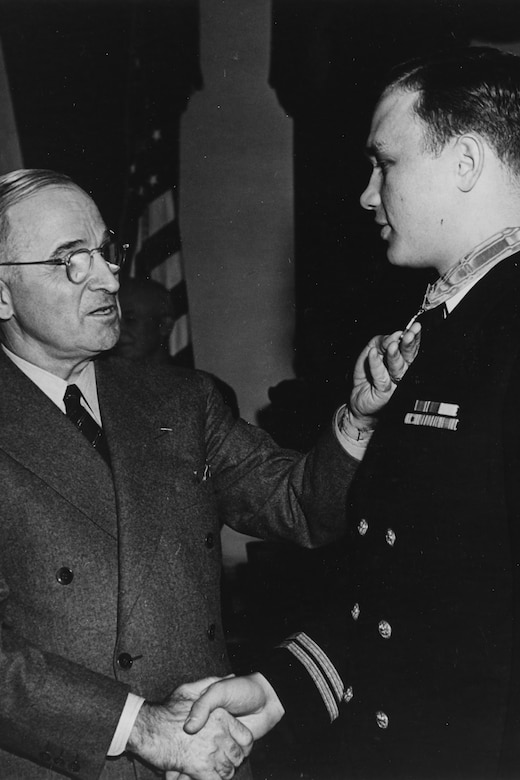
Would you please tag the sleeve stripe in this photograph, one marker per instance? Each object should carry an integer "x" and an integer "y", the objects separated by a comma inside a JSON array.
[
  {"x": 324, "y": 661},
  {"x": 317, "y": 675}
]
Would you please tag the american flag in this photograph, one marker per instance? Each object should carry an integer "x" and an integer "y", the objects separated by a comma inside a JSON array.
[{"x": 151, "y": 214}]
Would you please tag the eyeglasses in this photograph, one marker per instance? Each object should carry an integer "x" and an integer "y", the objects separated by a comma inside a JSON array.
[{"x": 79, "y": 262}]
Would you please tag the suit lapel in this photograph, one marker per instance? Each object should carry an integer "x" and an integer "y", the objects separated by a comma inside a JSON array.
[
  {"x": 34, "y": 432},
  {"x": 132, "y": 433}
]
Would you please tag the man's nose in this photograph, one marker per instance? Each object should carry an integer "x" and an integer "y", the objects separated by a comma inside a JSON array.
[
  {"x": 103, "y": 275},
  {"x": 370, "y": 198}
]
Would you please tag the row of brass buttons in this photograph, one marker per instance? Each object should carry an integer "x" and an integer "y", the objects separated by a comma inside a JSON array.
[{"x": 384, "y": 628}]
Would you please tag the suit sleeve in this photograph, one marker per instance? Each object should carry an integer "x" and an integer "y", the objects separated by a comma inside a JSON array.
[
  {"x": 274, "y": 493},
  {"x": 54, "y": 712}
]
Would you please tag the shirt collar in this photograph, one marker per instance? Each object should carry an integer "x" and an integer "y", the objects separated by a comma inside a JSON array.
[
  {"x": 54, "y": 386},
  {"x": 452, "y": 286}
]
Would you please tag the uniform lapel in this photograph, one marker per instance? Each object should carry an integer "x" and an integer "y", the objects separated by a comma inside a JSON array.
[{"x": 35, "y": 433}]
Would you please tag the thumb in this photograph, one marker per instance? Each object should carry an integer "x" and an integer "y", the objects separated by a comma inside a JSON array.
[{"x": 202, "y": 709}]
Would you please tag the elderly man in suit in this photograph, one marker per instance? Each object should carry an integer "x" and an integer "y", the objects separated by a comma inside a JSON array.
[
  {"x": 428, "y": 654},
  {"x": 115, "y": 482}
]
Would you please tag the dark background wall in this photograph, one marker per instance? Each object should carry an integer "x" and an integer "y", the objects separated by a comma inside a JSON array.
[{"x": 78, "y": 96}]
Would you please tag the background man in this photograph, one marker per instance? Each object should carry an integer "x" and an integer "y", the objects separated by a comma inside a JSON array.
[
  {"x": 147, "y": 319},
  {"x": 430, "y": 626},
  {"x": 115, "y": 482}
]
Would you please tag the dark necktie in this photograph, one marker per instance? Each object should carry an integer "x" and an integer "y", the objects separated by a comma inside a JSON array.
[{"x": 84, "y": 422}]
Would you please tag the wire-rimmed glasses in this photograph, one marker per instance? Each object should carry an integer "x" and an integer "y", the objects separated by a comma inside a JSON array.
[{"x": 79, "y": 262}]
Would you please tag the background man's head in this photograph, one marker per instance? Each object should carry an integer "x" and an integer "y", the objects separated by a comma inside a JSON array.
[
  {"x": 147, "y": 319},
  {"x": 445, "y": 145},
  {"x": 44, "y": 316}
]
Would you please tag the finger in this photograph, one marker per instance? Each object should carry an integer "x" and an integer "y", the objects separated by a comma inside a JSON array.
[
  {"x": 410, "y": 342},
  {"x": 391, "y": 338},
  {"x": 241, "y": 735},
  {"x": 226, "y": 769},
  {"x": 198, "y": 716},
  {"x": 380, "y": 377}
]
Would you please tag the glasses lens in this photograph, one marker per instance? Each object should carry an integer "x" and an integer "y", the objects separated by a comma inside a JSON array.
[
  {"x": 78, "y": 265},
  {"x": 112, "y": 252}
]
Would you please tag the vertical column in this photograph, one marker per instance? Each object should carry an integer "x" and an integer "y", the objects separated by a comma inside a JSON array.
[{"x": 236, "y": 206}]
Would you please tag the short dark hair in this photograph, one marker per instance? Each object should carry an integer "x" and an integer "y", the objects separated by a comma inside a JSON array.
[
  {"x": 476, "y": 88},
  {"x": 20, "y": 184}
]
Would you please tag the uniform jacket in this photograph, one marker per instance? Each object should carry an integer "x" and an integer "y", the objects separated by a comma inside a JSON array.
[
  {"x": 109, "y": 581},
  {"x": 427, "y": 621}
]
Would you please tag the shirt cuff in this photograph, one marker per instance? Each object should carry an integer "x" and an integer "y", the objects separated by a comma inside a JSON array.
[
  {"x": 126, "y": 723},
  {"x": 353, "y": 440}
]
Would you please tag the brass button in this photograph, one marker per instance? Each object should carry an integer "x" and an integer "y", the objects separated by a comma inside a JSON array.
[
  {"x": 211, "y": 631},
  {"x": 382, "y": 719},
  {"x": 385, "y": 629},
  {"x": 348, "y": 695},
  {"x": 362, "y": 527},
  {"x": 209, "y": 541}
]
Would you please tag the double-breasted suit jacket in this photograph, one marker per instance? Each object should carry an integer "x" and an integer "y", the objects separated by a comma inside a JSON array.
[
  {"x": 109, "y": 579},
  {"x": 430, "y": 602}
]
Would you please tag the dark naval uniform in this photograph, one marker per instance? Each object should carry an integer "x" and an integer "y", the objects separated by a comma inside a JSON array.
[
  {"x": 425, "y": 640},
  {"x": 436, "y": 504}
]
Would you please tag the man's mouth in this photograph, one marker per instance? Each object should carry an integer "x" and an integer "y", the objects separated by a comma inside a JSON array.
[{"x": 105, "y": 311}]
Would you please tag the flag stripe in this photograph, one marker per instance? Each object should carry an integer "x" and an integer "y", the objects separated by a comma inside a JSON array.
[
  {"x": 179, "y": 298},
  {"x": 157, "y": 247},
  {"x": 180, "y": 336}
]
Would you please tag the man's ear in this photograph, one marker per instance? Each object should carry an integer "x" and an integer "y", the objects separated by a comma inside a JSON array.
[
  {"x": 6, "y": 301},
  {"x": 470, "y": 155}
]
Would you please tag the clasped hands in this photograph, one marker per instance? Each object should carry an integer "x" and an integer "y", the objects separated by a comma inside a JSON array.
[{"x": 206, "y": 729}]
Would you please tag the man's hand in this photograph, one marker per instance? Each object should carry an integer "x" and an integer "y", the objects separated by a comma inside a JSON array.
[
  {"x": 212, "y": 753},
  {"x": 379, "y": 368},
  {"x": 252, "y": 698}
]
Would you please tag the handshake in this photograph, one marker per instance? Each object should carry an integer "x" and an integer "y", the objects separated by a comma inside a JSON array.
[{"x": 204, "y": 730}]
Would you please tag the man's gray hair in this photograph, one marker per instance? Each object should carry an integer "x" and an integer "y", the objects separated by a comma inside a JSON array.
[{"x": 18, "y": 185}]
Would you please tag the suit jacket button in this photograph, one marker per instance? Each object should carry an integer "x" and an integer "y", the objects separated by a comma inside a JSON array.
[
  {"x": 64, "y": 575},
  {"x": 210, "y": 632},
  {"x": 125, "y": 660},
  {"x": 45, "y": 757},
  {"x": 209, "y": 541}
]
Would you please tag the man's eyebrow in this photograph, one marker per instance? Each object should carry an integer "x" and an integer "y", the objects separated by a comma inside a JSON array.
[
  {"x": 77, "y": 243},
  {"x": 67, "y": 246},
  {"x": 374, "y": 149}
]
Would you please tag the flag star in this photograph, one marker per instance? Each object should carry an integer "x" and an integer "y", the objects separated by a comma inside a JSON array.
[
  {"x": 153, "y": 180},
  {"x": 156, "y": 135}
]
